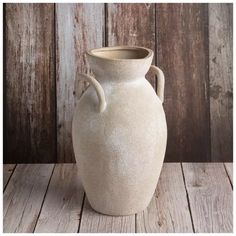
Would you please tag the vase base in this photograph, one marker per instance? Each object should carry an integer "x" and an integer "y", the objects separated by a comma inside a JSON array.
[{"x": 116, "y": 213}]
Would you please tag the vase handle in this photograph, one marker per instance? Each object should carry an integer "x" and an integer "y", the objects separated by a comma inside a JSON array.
[
  {"x": 99, "y": 90},
  {"x": 160, "y": 81}
]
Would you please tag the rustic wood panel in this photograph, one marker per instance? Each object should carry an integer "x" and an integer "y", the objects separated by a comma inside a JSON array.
[
  {"x": 7, "y": 172},
  {"x": 93, "y": 222},
  {"x": 43, "y": 56},
  {"x": 168, "y": 211},
  {"x": 24, "y": 196},
  {"x": 131, "y": 24},
  {"x": 210, "y": 197},
  {"x": 182, "y": 53},
  {"x": 221, "y": 80},
  {"x": 29, "y": 83},
  {"x": 229, "y": 169},
  {"x": 79, "y": 27},
  {"x": 63, "y": 202}
]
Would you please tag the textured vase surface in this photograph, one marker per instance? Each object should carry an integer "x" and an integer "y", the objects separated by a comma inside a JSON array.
[{"x": 119, "y": 130}]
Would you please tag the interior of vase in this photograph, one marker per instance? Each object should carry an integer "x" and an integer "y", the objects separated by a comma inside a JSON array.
[{"x": 120, "y": 53}]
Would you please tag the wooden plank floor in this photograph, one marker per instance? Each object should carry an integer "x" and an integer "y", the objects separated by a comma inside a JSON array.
[{"x": 190, "y": 197}]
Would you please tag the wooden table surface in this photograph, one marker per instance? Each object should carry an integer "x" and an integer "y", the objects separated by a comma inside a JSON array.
[{"x": 190, "y": 197}]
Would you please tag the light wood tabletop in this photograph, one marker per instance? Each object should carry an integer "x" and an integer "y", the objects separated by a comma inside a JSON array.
[{"x": 190, "y": 197}]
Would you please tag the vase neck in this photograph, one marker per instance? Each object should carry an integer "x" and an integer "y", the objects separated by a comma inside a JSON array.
[{"x": 120, "y": 64}]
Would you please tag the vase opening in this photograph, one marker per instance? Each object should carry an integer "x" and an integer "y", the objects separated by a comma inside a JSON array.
[{"x": 121, "y": 53}]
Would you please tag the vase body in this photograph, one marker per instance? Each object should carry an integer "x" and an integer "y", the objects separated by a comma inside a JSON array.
[{"x": 120, "y": 149}]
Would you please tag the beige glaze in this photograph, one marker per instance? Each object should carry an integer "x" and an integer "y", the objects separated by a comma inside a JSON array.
[{"x": 119, "y": 130}]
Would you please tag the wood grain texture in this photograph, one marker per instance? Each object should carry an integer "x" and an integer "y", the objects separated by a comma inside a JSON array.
[
  {"x": 63, "y": 202},
  {"x": 44, "y": 47},
  {"x": 79, "y": 27},
  {"x": 24, "y": 196},
  {"x": 7, "y": 172},
  {"x": 221, "y": 80},
  {"x": 209, "y": 192},
  {"x": 30, "y": 83},
  {"x": 168, "y": 211},
  {"x": 93, "y": 222},
  {"x": 229, "y": 169},
  {"x": 133, "y": 25},
  {"x": 210, "y": 197},
  {"x": 182, "y": 54}
]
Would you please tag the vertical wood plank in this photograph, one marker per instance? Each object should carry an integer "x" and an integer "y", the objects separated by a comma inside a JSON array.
[
  {"x": 8, "y": 169},
  {"x": 79, "y": 27},
  {"x": 30, "y": 83},
  {"x": 133, "y": 25},
  {"x": 63, "y": 202},
  {"x": 229, "y": 169},
  {"x": 210, "y": 197},
  {"x": 182, "y": 54},
  {"x": 93, "y": 222},
  {"x": 168, "y": 211},
  {"x": 24, "y": 196},
  {"x": 221, "y": 80}
]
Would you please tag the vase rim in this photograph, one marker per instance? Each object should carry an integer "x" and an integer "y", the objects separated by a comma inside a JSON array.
[{"x": 134, "y": 53}]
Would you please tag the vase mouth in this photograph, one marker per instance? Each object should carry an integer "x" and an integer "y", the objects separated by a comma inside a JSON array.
[{"x": 121, "y": 53}]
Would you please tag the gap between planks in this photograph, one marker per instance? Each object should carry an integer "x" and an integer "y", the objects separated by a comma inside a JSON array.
[
  {"x": 8, "y": 170},
  {"x": 81, "y": 212},
  {"x": 229, "y": 170},
  {"x": 187, "y": 198}
]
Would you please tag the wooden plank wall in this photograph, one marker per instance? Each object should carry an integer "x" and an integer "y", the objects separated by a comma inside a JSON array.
[
  {"x": 29, "y": 83},
  {"x": 43, "y": 56},
  {"x": 78, "y": 28},
  {"x": 221, "y": 80},
  {"x": 182, "y": 50}
]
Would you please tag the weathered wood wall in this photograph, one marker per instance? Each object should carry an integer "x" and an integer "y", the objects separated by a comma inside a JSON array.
[
  {"x": 30, "y": 102},
  {"x": 44, "y": 47}
]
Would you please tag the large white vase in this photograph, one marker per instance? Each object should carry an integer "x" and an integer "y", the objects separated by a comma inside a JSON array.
[{"x": 119, "y": 130}]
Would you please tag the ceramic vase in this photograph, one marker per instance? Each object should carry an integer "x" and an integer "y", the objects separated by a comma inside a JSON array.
[{"x": 119, "y": 130}]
